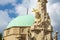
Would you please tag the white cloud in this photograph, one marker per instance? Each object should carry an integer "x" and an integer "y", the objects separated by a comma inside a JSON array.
[
  {"x": 33, "y": 4},
  {"x": 4, "y": 19},
  {"x": 21, "y": 9},
  {"x": 3, "y": 2},
  {"x": 54, "y": 12}
]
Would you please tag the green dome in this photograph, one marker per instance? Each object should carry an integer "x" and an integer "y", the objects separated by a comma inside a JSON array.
[{"x": 26, "y": 20}]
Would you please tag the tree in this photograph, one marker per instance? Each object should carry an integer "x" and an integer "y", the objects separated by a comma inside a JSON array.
[{"x": 0, "y": 36}]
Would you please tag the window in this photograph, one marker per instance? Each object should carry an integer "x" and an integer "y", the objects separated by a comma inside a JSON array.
[
  {"x": 22, "y": 29},
  {"x": 8, "y": 32}
]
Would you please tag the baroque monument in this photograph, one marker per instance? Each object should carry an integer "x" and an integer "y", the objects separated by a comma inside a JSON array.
[{"x": 30, "y": 27}]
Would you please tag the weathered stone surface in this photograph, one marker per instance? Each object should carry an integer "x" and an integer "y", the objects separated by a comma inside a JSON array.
[{"x": 41, "y": 29}]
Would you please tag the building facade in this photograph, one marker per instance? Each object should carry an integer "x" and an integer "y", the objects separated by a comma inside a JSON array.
[{"x": 30, "y": 27}]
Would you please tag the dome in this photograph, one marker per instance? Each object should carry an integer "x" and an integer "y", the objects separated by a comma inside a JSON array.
[{"x": 26, "y": 20}]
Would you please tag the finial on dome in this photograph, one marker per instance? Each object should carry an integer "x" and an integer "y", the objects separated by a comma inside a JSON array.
[{"x": 27, "y": 11}]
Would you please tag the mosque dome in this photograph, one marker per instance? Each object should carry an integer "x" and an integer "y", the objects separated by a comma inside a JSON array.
[{"x": 26, "y": 20}]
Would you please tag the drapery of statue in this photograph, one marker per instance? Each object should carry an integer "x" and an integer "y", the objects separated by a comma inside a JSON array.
[{"x": 42, "y": 26}]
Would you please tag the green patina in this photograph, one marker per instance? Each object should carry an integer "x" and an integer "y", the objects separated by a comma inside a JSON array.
[{"x": 26, "y": 20}]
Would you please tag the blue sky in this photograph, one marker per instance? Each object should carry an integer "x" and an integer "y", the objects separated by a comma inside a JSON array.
[{"x": 9, "y": 9}]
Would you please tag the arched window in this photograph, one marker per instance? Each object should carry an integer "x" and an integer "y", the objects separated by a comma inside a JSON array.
[
  {"x": 22, "y": 29},
  {"x": 8, "y": 32}
]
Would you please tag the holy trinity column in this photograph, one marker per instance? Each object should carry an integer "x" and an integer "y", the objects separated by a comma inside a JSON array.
[{"x": 42, "y": 26}]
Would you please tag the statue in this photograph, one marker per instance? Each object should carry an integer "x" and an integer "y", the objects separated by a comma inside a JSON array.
[
  {"x": 37, "y": 14},
  {"x": 55, "y": 36}
]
